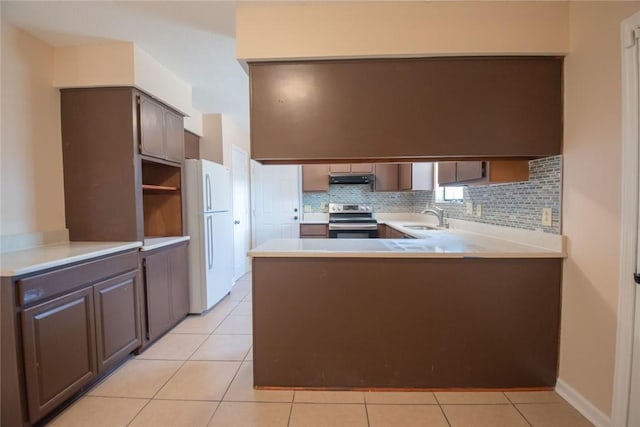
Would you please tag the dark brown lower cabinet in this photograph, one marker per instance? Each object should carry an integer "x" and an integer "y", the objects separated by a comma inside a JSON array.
[
  {"x": 117, "y": 319},
  {"x": 59, "y": 350},
  {"x": 430, "y": 323},
  {"x": 166, "y": 288},
  {"x": 62, "y": 328}
]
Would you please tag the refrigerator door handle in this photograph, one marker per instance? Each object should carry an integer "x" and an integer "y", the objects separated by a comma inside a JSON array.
[
  {"x": 209, "y": 242},
  {"x": 207, "y": 192}
]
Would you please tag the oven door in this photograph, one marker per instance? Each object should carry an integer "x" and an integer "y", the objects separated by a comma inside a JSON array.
[{"x": 353, "y": 231}]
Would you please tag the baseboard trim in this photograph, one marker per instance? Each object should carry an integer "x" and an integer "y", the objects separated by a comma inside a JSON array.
[{"x": 586, "y": 408}]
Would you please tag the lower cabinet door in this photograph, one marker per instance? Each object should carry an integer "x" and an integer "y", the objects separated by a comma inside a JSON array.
[
  {"x": 59, "y": 350},
  {"x": 117, "y": 318},
  {"x": 179, "y": 282},
  {"x": 158, "y": 293}
]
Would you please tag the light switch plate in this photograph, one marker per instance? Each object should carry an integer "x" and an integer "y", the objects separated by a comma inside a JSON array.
[
  {"x": 478, "y": 209},
  {"x": 469, "y": 208},
  {"x": 547, "y": 216}
]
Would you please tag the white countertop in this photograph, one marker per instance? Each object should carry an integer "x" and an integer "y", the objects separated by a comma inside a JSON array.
[
  {"x": 449, "y": 243},
  {"x": 48, "y": 256},
  {"x": 158, "y": 242}
]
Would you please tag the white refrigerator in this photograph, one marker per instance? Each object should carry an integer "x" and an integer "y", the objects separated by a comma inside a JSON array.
[{"x": 210, "y": 224}]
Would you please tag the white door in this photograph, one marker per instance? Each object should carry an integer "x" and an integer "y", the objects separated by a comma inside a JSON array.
[
  {"x": 241, "y": 229},
  {"x": 276, "y": 198}
]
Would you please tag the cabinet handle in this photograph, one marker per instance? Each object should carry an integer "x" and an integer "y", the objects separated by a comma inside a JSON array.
[
  {"x": 295, "y": 218},
  {"x": 207, "y": 192},
  {"x": 236, "y": 221},
  {"x": 295, "y": 209}
]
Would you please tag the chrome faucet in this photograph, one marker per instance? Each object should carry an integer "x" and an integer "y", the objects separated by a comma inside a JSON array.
[{"x": 439, "y": 213}]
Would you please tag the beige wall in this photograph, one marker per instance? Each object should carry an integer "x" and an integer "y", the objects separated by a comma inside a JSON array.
[
  {"x": 108, "y": 64},
  {"x": 124, "y": 64},
  {"x": 590, "y": 33},
  {"x": 211, "y": 141},
  {"x": 591, "y": 198},
  {"x": 392, "y": 29},
  {"x": 233, "y": 134},
  {"x": 220, "y": 134},
  {"x": 32, "y": 189}
]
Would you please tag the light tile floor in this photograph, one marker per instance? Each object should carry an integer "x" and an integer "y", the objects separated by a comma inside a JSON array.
[{"x": 200, "y": 374}]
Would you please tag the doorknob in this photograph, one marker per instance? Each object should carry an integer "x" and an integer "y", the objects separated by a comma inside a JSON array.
[{"x": 237, "y": 221}]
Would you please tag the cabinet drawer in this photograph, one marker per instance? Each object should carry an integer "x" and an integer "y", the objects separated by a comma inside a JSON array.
[
  {"x": 313, "y": 230},
  {"x": 42, "y": 286}
]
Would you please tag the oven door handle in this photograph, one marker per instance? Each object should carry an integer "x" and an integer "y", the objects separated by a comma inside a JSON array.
[{"x": 353, "y": 226}]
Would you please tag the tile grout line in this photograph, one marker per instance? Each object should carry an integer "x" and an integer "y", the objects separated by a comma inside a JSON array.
[
  {"x": 239, "y": 366},
  {"x": 156, "y": 393},
  {"x": 293, "y": 399},
  {"x": 517, "y": 409},
  {"x": 366, "y": 409},
  {"x": 446, "y": 419}
]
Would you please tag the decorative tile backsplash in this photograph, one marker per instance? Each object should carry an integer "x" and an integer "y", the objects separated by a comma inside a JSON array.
[{"x": 516, "y": 205}]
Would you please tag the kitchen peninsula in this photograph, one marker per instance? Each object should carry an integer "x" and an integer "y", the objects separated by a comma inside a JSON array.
[{"x": 450, "y": 309}]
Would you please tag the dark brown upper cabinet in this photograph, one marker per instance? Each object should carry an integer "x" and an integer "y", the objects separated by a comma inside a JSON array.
[
  {"x": 480, "y": 173},
  {"x": 191, "y": 145},
  {"x": 406, "y": 109},
  {"x": 392, "y": 177},
  {"x": 161, "y": 131},
  {"x": 122, "y": 156}
]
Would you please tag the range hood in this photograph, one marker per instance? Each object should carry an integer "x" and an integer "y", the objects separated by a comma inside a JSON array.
[{"x": 351, "y": 178}]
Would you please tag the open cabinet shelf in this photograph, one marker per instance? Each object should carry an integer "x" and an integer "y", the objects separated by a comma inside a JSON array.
[
  {"x": 159, "y": 188},
  {"x": 162, "y": 199}
]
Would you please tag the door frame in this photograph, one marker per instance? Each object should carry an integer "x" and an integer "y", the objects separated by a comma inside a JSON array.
[
  {"x": 249, "y": 201},
  {"x": 629, "y": 223}
]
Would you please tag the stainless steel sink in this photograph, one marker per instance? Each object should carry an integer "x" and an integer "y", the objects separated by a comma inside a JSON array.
[{"x": 420, "y": 227}]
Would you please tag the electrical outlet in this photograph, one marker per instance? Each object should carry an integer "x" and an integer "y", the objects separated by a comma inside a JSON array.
[
  {"x": 307, "y": 208},
  {"x": 469, "y": 208},
  {"x": 546, "y": 216},
  {"x": 323, "y": 205},
  {"x": 478, "y": 209}
]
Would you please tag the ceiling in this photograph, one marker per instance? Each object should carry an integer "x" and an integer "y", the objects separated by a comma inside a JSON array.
[{"x": 194, "y": 39}]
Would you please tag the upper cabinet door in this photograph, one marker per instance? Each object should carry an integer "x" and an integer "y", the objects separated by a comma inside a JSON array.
[
  {"x": 340, "y": 168},
  {"x": 315, "y": 177},
  {"x": 468, "y": 171},
  {"x": 362, "y": 167},
  {"x": 151, "y": 128},
  {"x": 415, "y": 108},
  {"x": 386, "y": 177},
  {"x": 161, "y": 131},
  {"x": 174, "y": 136},
  {"x": 446, "y": 172},
  {"x": 404, "y": 176}
]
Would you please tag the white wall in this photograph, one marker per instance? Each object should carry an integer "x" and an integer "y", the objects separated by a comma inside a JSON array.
[{"x": 32, "y": 189}]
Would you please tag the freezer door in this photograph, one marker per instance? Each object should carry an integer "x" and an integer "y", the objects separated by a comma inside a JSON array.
[{"x": 216, "y": 185}]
